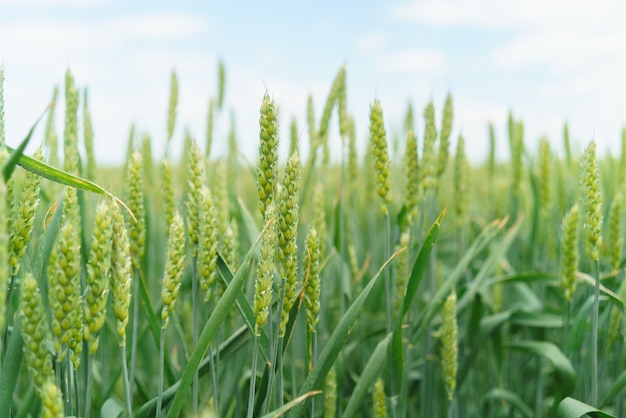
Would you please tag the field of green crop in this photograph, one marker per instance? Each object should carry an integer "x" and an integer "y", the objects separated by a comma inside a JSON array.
[{"x": 404, "y": 282}]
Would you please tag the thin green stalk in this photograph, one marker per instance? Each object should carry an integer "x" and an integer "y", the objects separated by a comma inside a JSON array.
[
  {"x": 135, "y": 331},
  {"x": 388, "y": 284},
  {"x": 276, "y": 351},
  {"x": 76, "y": 392},
  {"x": 161, "y": 366},
  {"x": 89, "y": 384},
  {"x": 214, "y": 377},
  {"x": 127, "y": 394},
  {"x": 194, "y": 326},
  {"x": 253, "y": 378},
  {"x": 594, "y": 336}
]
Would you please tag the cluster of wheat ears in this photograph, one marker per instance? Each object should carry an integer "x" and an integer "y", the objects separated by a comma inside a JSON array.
[{"x": 401, "y": 283}]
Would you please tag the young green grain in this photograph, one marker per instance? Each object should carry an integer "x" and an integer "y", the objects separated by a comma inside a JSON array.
[
  {"x": 207, "y": 244},
  {"x": 591, "y": 205},
  {"x": 171, "y": 112},
  {"x": 288, "y": 214},
  {"x": 378, "y": 137},
  {"x": 36, "y": 333},
  {"x": 98, "y": 275},
  {"x": 135, "y": 200},
  {"x": 23, "y": 220},
  {"x": 267, "y": 171},
  {"x": 379, "y": 401},
  {"x": 174, "y": 266},
  {"x": 428, "y": 166},
  {"x": 121, "y": 273},
  {"x": 51, "y": 401},
  {"x": 444, "y": 135},
  {"x": 210, "y": 122},
  {"x": 312, "y": 289},
  {"x": 449, "y": 344},
  {"x": 167, "y": 188},
  {"x": 71, "y": 159},
  {"x": 412, "y": 174},
  {"x": 265, "y": 275}
]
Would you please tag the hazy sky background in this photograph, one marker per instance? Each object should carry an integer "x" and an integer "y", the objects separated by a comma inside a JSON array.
[{"x": 547, "y": 60}]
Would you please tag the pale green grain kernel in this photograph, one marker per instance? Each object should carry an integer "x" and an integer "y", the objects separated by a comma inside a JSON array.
[
  {"x": 449, "y": 344},
  {"x": 23, "y": 220},
  {"x": 98, "y": 275},
  {"x": 265, "y": 274},
  {"x": 293, "y": 136},
  {"x": 330, "y": 394},
  {"x": 288, "y": 213},
  {"x": 35, "y": 332},
  {"x": 207, "y": 244},
  {"x": 566, "y": 145},
  {"x": 428, "y": 166},
  {"x": 173, "y": 104},
  {"x": 342, "y": 107},
  {"x": 412, "y": 174},
  {"x": 210, "y": 122},
  {"x": 331, "y": 100},
  {"x": 196, "y": 179},
  {"x": 134, "y": 199},
  {"x": 319, "y": 215},
  {"x": 121, "y": 273},
  {"x": 378, "y": 138},
  {"x": 169, "y": 197},
  {"x": 312, "y": 289},
  {"x": 221, "y": 85},
  {"x": 147, "y": 161},
  {"x": 71, "y": 159},
  {"x": 174, "y": 267},
  {"x": 591, "y": 206},
  {"x": 51, "y": 401},
  {"x": 444, "y": 135},
  {"x": 267, "y": 171},
  {"x": 380, "y": 404},
  {"x": 64, "y": 285}
]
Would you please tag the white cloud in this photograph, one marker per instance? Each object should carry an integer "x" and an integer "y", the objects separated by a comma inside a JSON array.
[
  {"x": 497, "y": 14},
  {"x": 371, "y": 43},
  {"x": 52, "y": 3},
  {"x": 414, "y": 60}
]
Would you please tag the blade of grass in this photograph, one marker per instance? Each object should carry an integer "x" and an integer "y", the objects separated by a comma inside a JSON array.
[
  {"x": 62, "y": 177},
  {"x": 17, "y": 153},
  {"x": 11, "y": 368},
  {"x": 499, "y": 394},
  {"x": 281, "y": 411},
  {"x": 564, "y": 371},
  {"x": 573, "y": 408},
  {"x": 370, "y": 372}
]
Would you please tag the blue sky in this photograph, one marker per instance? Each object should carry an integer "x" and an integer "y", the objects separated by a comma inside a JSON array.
[{"x": 547, "y": 60}]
